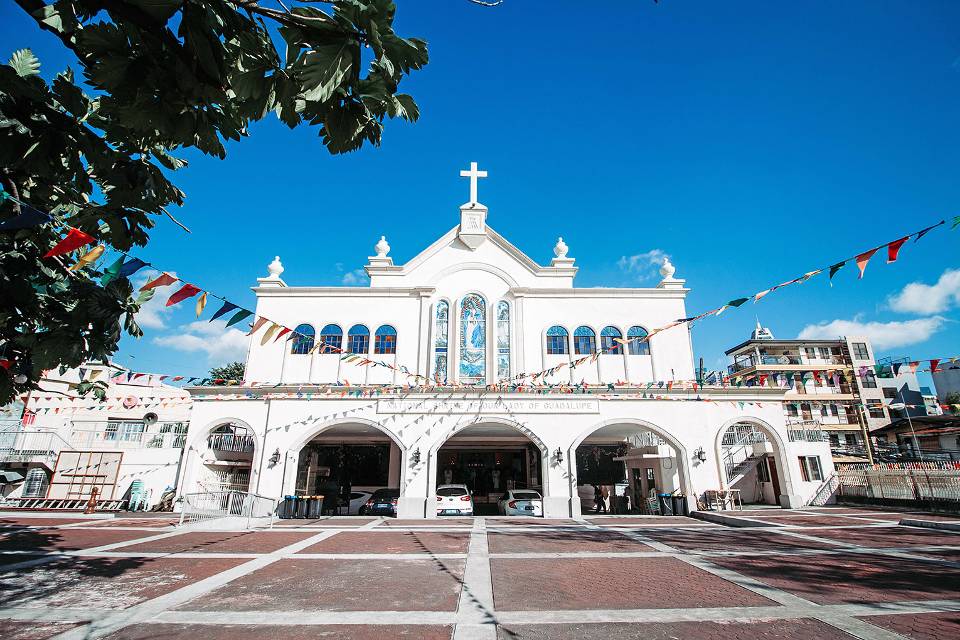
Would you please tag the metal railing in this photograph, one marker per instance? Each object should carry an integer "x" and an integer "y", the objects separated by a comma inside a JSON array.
[
  {"x": 904, "y": 481},
  {"x": 231, "y": 442},
  {"x": 32, "y": 446},
  {"x": 738, "y": 451},
  {"x": 826, "y": 491},
  {"x": 807, "y": 435},
  {"x": 123, "y": 434},
  {"x": 213, "y": 505}
]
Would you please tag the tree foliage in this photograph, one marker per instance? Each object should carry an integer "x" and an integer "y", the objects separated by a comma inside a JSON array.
[
  {"x": 163, "y": 75},
  {"x": 230, "y": 371}
]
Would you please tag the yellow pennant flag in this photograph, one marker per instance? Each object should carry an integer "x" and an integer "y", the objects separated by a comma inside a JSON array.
[
  {"x": 88, "y": 257},
  {"x": 269, "y": 333},
  {"x": 201, "y": 303}
]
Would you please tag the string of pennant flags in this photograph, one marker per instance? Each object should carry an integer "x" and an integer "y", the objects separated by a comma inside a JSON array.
[{"x": 126, "y": 265}]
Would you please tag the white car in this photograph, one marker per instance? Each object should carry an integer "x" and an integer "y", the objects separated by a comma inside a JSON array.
[
  {"x": 454, "y": 500},
  {"x": 520, "y": 502},
  {"x": 357, "y": 500}
]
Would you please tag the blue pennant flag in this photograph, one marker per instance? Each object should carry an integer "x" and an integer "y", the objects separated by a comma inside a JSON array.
[
  {"x": 226, "y": 308},
  {"x": 29, "y": 217},
  {"x": 130, "y": 267}
]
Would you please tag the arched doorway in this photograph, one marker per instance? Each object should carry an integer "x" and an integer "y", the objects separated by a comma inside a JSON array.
[
  {"x": 227, "y": 455},
  {"x": 750, "y": 461},
  {"x": 622, "y": 466},
  {"x": 490, "y": 457},
  {"x": 347, "y": 462}
]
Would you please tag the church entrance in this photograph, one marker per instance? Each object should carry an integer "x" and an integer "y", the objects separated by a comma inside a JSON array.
[{"x": 490, "y": 460}]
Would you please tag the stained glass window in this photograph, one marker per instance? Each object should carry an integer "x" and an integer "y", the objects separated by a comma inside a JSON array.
[
  {"x": 638, "y": 347},
  {"x": 607, "y": 342},
  {"x": 503, "y": 340},
  {"x": 385, "y": 340},
  {"x": 441, "y": 330},
  {"x": 331, "y": 337},
  {"x": 584, "y": 341},
  {"x": 473, "y": 340},
  {"x": 557, "y": 343},
  {"x": 358, "y": 339},
  {"x": 302, "y": 339}
]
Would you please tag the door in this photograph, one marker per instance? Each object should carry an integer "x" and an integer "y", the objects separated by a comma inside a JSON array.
[{"x": 775, "y": 479}]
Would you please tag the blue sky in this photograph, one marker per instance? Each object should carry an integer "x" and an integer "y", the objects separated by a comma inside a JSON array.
[{"x": 749, "y": 141}]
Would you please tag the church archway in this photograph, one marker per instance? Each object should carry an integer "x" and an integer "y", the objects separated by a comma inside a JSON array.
[
  {"x": 629, "y": 460},
  {"x": 346, "y": 461},
  {"x": 751, "y": 459},
  {"x": 491, "y": 456}
]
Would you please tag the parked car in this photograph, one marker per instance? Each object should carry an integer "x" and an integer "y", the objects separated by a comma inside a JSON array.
[
  {"x": 383, "y": 502},
  {"x": 454, "y": 500},
  {"x": 520, "y": 502},
  {"x": 357, "y": 501}
]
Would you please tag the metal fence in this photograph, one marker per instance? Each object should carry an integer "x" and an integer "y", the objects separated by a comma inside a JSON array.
[
  {"x": 212, "y": 505},
  {"x": 31, "y": 446},
  {"x": 921, "y": 481}
]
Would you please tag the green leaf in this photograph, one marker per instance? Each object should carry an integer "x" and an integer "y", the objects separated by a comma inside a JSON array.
[
  {"x": 160, "y": 10},
  {"x": 24, "y": 63},
  {"x": 409, "y": 110},
  {"x": 323, "y": 70}
]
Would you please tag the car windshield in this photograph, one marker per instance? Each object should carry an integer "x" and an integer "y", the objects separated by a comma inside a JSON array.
[
  {"x": 451, "y": 491},
  {"x": 384, "y": 494},
  {"x": 526, "y": 495}
]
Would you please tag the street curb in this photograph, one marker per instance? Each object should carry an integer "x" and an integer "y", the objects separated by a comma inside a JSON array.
[
  {"x": 931, "y": 524},
  {"x": 730, "y": 521}
]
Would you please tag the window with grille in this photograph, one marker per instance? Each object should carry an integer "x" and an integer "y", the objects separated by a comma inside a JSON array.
[
  {"x": 860, "y": 351},
  {"x": 440, "y": 341},
  {"x": 385, "y": 340},
  {"x": 584, "y": 341},
  {"x": 810, "y": 469},
  {"x": 557, "y": 341},
  {"x": 608, "y": 340},
  {"x": 358, "y": 339},
  {"x": 638, "y": 345},
  {"x": 503, "y": 340},
  {"x": 302, "y": 341},
  {"x": 331, "y": 337}
]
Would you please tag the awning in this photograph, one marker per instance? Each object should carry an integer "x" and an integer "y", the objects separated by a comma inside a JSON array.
[{"x": 10, "y": 476}]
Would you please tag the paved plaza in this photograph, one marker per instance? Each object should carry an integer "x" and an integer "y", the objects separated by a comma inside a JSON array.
[{"x": 837, "y": 572}]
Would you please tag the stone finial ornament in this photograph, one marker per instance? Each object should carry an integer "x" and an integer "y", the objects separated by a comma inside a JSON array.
[
  {"x": 382, "y": 248},
  {"x": 560, "y": 249},
  {"x": 275, "y": 268},
  {"x": 667, "y": 269}
]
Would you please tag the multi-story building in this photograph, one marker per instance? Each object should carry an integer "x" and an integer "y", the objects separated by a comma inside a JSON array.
[
  {"x": 830, "y": 384},
  {"x": 59, "y": 445},
  {"x": 946, "y": 381}
]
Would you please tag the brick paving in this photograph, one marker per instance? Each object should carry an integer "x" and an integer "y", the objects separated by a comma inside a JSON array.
[
  {"x": 921, "y": 626},
  {"x": 458, "y": 578}
]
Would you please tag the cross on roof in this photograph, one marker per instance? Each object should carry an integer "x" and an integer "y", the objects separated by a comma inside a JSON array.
[{"x": 473, "y": 174}]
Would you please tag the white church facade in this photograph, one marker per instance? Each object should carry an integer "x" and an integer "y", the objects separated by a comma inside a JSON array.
[{"x": 425, "y": 377}]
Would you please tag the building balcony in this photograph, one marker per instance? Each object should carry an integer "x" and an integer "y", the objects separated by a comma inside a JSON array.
[
  {"x": 772, "y": 363},
  {"x": 132, "y": 434},
  {"x": 32, "y": 446}
]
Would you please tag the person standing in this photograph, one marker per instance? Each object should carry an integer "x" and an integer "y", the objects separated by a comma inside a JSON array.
[{"x": 598, "y": 502}]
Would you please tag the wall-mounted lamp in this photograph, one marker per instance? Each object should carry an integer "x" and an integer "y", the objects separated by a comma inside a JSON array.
[
  {"x": 415, "y": 457},
  {"x": 700, "y": 455},
  {"x": 274, "y": 458},
  {"x": 558, "y": 456}
]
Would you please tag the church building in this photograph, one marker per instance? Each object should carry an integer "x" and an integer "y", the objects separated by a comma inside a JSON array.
[{"x": 472, "y": 364}]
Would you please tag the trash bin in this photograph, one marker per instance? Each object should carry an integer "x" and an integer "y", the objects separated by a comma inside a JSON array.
[
  {"x": 287, "y": 507},
  {"x": 666, "y": 504},
  {"x": 314, "y": 506},
  {"x": 680, "y": 505},
  {"x": 301, "y": 507}
]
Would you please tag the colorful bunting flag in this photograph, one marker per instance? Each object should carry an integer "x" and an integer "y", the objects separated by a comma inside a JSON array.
[
  {"x": 934, "y": 364},
  {"x": 863, "y": 259},
  {"x": 201, "y": 303},
  {"x": 88, "y": 258},
  {"x": 924, "y": 232},
  {"x": 284, "y": 332},
  {"x": 162, "y": 280},
  {"x": 29, "y": 217},
  {"x": 184, "y": 292},
  {"x": 269, "y": 333},
  {"x": 227, "y": 307},
  {"x": 130, "y": 267},
  {"x": 834, "y": 268},
  {"x": 111, "y": 272},
  {"x": 239, "y": 316},
  {"x": 256, "y": 325},
  {"x": 71, "y": 242},
  {"x": 894, "y": 248}
]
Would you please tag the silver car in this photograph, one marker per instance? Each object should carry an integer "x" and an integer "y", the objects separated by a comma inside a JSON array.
[{"x": 520, "y": 502}]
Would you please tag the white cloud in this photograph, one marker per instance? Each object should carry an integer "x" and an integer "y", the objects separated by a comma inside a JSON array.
[
  {"x": 221, "y": 345},
  {"x": 883, "y": 335},
  {"x": 357, "y": 276},
  {"x": 918, "y": 297},
  {"x": 154, "y": 312},
  {"x": 643, "y": 265}
]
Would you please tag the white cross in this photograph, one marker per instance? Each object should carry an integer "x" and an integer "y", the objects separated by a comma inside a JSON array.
[{"x": 473, "y": 174}]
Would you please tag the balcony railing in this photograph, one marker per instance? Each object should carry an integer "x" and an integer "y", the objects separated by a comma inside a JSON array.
[
  {"x": 807, "y": 435},
  {"x": 779, "y": 360},
  {"x": 31, "y": 446},
  {"x": 128, "y": 435},
  {"x": 230, "y": 442}
]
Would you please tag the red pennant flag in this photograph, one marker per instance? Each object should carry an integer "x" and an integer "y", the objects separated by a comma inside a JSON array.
[
  {"x": 934, "y": 364},
  {"x": 282, "y": 333},
  {"x": 177, "y": 378},
  {"x": 162, "y": 378},
  {"x": 863, "y": 259},
  {"x": 73, "y": 240},
  {"x": 186, "y": 291},
  {"x": 913, "y": 366},
  {"x": 894, "y": 248},
  {"x": 163, "y": 280}
]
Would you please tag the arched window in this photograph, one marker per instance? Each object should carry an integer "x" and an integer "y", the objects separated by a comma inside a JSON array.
[
  {"x": 358, "y": 339},
  {"x": 473, "y": 340},
  {"x": 331, "y": 337},
  {"x": 607, "y": 342},
  {"x": 385, "y": 340},
  {"x": 503, "y": 340},
  {"x": 557, "y": 343},
  {"x": 35, "y": 486},
  {"x": 584, "y": 341},
  {"x": 302, "y": 339},
  {"x": 638, "y": 347},
  {"x": 440, "y": 341}
]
